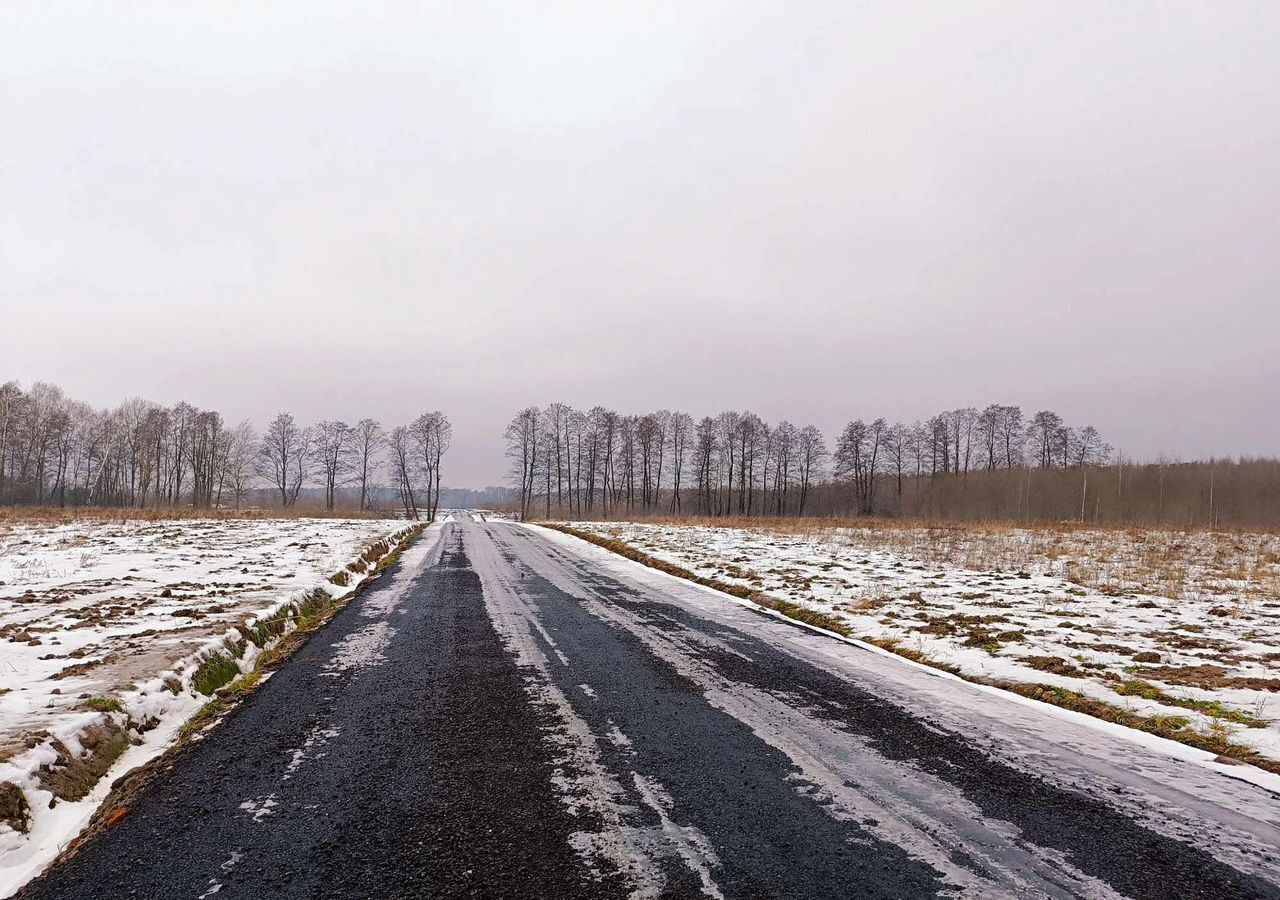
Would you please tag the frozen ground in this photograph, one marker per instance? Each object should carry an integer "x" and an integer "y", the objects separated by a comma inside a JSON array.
[
  {"x": 107, "y": 621},
  {"x": 1161, "y": 623}
]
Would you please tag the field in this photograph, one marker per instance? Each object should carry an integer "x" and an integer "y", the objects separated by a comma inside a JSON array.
[
  {"x": 1178, "y": 632},
  {"x": 115, "y": 631}
]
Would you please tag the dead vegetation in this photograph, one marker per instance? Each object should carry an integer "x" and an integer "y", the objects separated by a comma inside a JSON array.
[
  {"x": 1208, "y": 677},
  {"x": 71, "y": 776},
  {"x": 46, "y": 515},
  {"x": 1174, "y": 728},
  {"x": 1241, "y": 567},
  {"x": 14, "y": 809}
]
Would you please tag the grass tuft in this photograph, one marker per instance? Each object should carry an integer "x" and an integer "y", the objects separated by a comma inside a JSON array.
[
  {"x": 213, "y": 673},
  {"x": 101, "y": 704},
  {"x": 1136, "y": 687}
]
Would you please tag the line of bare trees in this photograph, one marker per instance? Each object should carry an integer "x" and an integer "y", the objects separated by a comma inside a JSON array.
[
  {"x": 966, "y": 464},
  {"x": 1205, "y": 493},
  {"x": 56, "y": 450},
  {"x": 416, "y": 451},
  {"x": 957, "y": 442},
  {"x": 598, "y": 461},
  {"x": 339, "y": 455}
]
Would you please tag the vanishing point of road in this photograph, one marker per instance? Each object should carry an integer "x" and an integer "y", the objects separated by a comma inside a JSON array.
[{"x": 513, "y": 713}]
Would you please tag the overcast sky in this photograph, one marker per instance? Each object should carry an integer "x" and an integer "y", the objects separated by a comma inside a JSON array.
[{"x": 817, "y": 210}]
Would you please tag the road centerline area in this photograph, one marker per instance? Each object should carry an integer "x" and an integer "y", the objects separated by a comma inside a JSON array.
[{"x": 507, "y": 715}]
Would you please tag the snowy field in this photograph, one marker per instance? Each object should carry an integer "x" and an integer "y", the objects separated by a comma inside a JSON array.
[
  {"x": 1181, "y": 625},
  {"x": 103, "y": 626}
]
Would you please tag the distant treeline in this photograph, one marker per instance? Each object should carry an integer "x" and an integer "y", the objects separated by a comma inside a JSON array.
[
  {"x": 383, "y": 497},
  {"x": 1227, "y": 493},
  {"x": 60, "y": 451},
  {"x": 967, "y": 463}
]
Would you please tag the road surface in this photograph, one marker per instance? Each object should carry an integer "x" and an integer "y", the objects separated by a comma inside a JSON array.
[{"x": 514, "y": 713}]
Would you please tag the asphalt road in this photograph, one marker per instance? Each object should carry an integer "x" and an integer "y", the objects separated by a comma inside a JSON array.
[{"x": 515, "y": 714}]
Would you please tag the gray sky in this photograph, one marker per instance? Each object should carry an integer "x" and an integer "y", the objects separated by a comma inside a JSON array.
[{"x": 818, "y": 211}]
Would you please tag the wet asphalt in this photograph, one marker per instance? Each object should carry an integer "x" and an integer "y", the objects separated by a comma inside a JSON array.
[{"x": 430, "y": 763}]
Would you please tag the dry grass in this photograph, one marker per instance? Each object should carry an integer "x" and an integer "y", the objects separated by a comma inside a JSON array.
[
  {"x": 817, "y": 524},
  {"x": 1171, "y": 727},
  {"x": 44, "y": 515},
  {"x": 1242, "y": 566}
]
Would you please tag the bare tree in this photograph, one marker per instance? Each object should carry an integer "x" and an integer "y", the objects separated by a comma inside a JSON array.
[
  {"x": 624, "y": 465},
  {"x": 961, "y": 424},
  {"x": 785, "y": 440},
  {"x": 576, "y": 451},
  {"x": 366, "y": 441},
  {"x": 646, "y": 444},
  {"x": 11, "y": 399},
  {"x": 752, "y": 434},
  {"x": 182, "y": 418},
  {"x": 283, "y": 455},
  {"x": 432, "y": 434},
  {"x": 706, "y": 453},
  {"x": 681, "y": 429},
  {"x": 329, "y": 456},
  {"x": 241, "y": 447},
  {"x": 896, "y": 447},
  {"x": 1011, "y": 434},
  {"x": 523, "y": 436},
  {"x": 1088, "y": 448},
  {"x": 400, "y": 444},
  {"x": 858, "y": 459},
  {"x": 207, "y": 445},
  {"x": 811, "y": 454},
  {"x": 728, "y": 426},
  {"x": 1044, "y": 433},
  {"x": 554, "y": 421}
]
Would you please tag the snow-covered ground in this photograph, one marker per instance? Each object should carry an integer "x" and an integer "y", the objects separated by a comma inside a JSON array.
[
  {"x": 1160, "y": 623},
  {"x": 106, "y": 622}
]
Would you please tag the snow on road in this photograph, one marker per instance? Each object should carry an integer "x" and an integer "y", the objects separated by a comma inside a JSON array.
[{"x": 1086, "y": 612}]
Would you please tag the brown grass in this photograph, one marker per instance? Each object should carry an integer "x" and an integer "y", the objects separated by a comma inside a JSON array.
[
  {"x": 1172, "y": 727},
  {"x": 1111, "y": 559},
  {"x": 1208, "y": 677},
  {"x": 810, "y": 524},
  {"x": 44, "y": 515}
]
